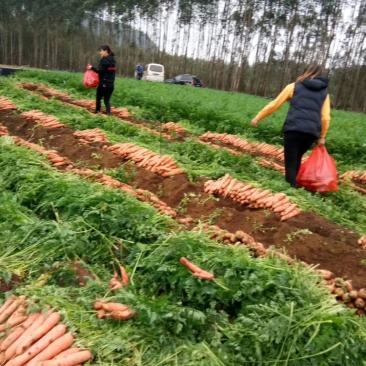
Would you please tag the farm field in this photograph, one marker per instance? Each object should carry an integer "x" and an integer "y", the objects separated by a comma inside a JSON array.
[{"x": 82, "y": 192}]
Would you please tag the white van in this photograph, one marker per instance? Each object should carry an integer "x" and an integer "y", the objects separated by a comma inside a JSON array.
[{"x": 154, "y": 72}]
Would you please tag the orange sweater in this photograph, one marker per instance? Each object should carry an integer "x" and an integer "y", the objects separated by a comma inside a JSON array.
[{"x": 287, "y": 94}]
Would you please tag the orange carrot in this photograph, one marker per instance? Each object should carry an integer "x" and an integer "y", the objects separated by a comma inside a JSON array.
[
  {"x": 280, "y": 202},
  {"x": 12, "y": 337},
  {"x": 204, "y": 275},
  {"x": 13, "y": 322},
  {"x": 122, "y": 315},
  {"x": 289, "y": 209},
  {"x": 55, "y": 333},
  {"x": 197, "y": 271},
  {"x": 109, "y": 306},
  {"x": 189, "y": 265},
  {"x": 68, "y": 360},
  {"x": 48, "y": 324},
  {"x": 7, "y": 303},
  {"x": 37, "y": 321},
  {"x": 281, "y": 208},
  {"x": 54, "y": 349},
  {"x": 291, "y": 214},
  {"x": 11, "y": 308},
  {"x": 124, "y": 275},
  {"x": 68, "y": 351}
]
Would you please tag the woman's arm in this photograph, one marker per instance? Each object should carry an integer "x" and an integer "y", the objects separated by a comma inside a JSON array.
[
  {"x": 325, "y": 115},
  {"x": 285, "y": 95}
]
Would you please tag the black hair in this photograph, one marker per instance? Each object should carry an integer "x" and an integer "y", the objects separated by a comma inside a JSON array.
[{"x": 106, "y": 48}]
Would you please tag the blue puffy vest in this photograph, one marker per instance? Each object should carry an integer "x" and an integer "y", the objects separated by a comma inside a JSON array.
[{"x": 304, "y": 114}]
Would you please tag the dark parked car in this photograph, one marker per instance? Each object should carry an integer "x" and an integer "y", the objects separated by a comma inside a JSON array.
[{"x": 186, "y": 79}]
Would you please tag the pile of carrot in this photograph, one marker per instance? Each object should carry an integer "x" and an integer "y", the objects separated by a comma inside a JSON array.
[
  {"x": 120, "y": 112},
  {"x": 36, "y": 339},
  {"x": 246, "y": 194},
  {"x": 362, "y": 241},
  {"x": 196, "y": 271},
  {"x": 117, "y": 281},
  {"x": 59, "y": 161},
  {"x": 250, "y": 147},
  {"x": 160, "y": 164},
  {"x": 113, "y": 310},
  {"x": 52, "y": 155},
  {"x": 94, "y": 135},
  {"x": 44, "y": 89},
  {"x": 237, "y": 238},
  {"x": 6, "y": 104},
  {"x": 45, "y": 120},
  {"x": 272, "y": 165},
  {"x": 344, "y": 292},
  {"x": 358, "y": 176},
  {"x": 3, "y": 130},
  {"x": 172, "y": 126},
  {"x": 140, "y": 194}
]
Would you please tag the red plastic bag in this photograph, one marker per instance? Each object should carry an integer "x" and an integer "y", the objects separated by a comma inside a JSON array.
[
  {"x": 319, "y": 172},
  {"x": 91, "y": 79}
]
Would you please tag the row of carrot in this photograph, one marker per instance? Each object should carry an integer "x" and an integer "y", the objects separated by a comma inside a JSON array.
[
  {"x": 358, "y": 176},
  {"x": 175, "y": 127},
  {"x": 59, "y": 161},
  {"x": 93, "y": 135},
  {"x": 160, "y": 164},
  {"x": 253, "y": 197},
  {"x": 45, "y": 120},
  {"x": 35, "y": 339},
  {"x": 250, "y": 147},
  {"x": 43, "y": 89},
  {"x": 238, "y": 238},
  {"x": 140, "y": 194},
  {"x": 6, "y": 104}
]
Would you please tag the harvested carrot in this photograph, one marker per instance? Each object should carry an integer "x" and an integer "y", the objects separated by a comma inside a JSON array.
[
  {"x": 54, "y": 349},
  {"x": 7, "y": 303},
  {"x": 68, "y": 360},
  {"x": 197, "y": 271},
  {"x": 291, "y": 214},
  {"x": 56, "y": 332},
  {"x": 37, "y": 321},
  {"x": 11, "y": 308},
  {"x": 12, "y": 323},
  {"x": 189, "y": 265},
  {"x": 122, "y": 315},
  {"x": 50, "y": 322},
  {"x": 204, "y": 275},
  {"x": 12, "y": 337},
  {"x": 68, "y": 351},
  {"x": 109, "y": 306},
  {"x": 124, "y": 275}
]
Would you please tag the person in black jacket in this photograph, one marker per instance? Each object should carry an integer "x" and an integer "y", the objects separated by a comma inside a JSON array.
[
  {"x": 307, "y": 119},
  {"x": 107, "y": 73}
]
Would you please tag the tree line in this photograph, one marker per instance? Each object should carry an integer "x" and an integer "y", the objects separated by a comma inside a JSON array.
[{"x": 251, "y": 46}]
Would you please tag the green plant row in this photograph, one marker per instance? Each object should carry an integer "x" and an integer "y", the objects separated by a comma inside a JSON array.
[
  {"x": 257, "y": 311},
  {"x": 212, "y": 110}
]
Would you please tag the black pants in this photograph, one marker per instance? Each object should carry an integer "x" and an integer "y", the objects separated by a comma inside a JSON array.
[
  {"x": 296, "y": 144},
  {"x": 105, "y": 91}
]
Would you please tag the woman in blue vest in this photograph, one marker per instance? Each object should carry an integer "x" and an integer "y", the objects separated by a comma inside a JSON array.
[
  {"x": 307, "y": 120},
  {"x": 107, "y": 73}
]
